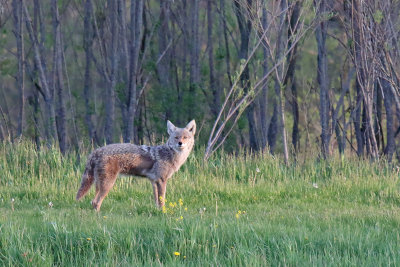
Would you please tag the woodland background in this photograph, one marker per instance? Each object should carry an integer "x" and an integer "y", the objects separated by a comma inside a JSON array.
[{"x": 282, "y": 76}]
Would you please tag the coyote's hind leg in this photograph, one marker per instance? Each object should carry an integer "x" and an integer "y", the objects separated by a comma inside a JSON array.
[{"x": 104, "y": 182}]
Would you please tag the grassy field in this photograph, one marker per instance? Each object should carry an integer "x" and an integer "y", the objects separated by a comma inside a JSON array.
[{"x": 232, "y": 211}]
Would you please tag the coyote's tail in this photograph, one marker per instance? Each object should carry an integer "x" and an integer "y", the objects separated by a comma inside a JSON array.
[{"x": 87, "y": 179}]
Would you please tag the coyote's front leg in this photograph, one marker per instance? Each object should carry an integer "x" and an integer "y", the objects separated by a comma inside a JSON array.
[{"x": 159, "y": 188}]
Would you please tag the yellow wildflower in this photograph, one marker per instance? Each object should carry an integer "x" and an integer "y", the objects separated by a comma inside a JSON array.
[
  {"x": 88, "y": 239},
  {"x": 176, "y": 253},
  {"x": 180, "y": 202}
]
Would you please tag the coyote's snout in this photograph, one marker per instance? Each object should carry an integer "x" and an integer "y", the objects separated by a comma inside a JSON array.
[{"x": 157, "y": 163}]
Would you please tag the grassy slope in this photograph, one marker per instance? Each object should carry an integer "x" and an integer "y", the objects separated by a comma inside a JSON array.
[{"x": 352, "y": 218}]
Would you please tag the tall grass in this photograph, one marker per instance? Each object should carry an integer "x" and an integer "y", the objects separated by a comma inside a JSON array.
[{"x": 231, "y": 211}]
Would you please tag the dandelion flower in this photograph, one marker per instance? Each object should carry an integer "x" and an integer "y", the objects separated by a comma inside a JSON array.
[
  {"x": 258, "y": 170},
  {"x": 176, "y": 253},
  {"x": 237, "y": 215},
  {"x": 104, "y": 217},
  {"x": 185, "y": 208},
  {"x": 315, "y": 185},
  {"x": 180, "y": 202},
  {"x": 50, "y": 204},
  {"x": 88, "y": 239},
  {"x": 184, "y": 257}
]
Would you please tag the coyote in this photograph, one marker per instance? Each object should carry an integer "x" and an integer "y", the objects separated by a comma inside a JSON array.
[{"x": 157, "y": 163}]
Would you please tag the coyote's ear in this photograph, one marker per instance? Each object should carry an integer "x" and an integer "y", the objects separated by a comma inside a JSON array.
[
  {"x": 171, "y": 128},
  {"x": 191, "y": 127}
]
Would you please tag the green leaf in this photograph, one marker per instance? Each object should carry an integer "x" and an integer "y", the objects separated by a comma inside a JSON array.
[{"x": 378, "y": 16}]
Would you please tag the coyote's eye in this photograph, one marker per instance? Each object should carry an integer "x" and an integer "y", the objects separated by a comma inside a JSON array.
[
  {"x": 176, "y": 137},
  {"x": 185, "y": 137}
]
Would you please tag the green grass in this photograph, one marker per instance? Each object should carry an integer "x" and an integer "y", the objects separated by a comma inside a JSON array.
[{"x": 351, "y": 219}]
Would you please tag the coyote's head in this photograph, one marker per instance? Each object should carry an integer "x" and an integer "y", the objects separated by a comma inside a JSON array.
[{"x": 181, "y": 138}]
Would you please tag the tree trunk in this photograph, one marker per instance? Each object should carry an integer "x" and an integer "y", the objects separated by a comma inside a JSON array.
[
  {"x": 136, "y": 30},
  {"x": 290, "y": 77},
  {"x": 364, "y": 51},
  {"x": 357, "y": 122},
  {"x": 263, "y": 98},
  {"x": 87, "y": 45},
  {"x": 273, "y": 128},
  {"x": 226, "y": 42},
  {"x": 245, "y": 31},
  {"x": 110, "y": 94},
  {"x": 186, "y": 37},
  {"x": 210, "y": 44},
  {"x": 370, "y": 128},
  {"x": 378, "y": 117},
  {"x": 195, "y": 58},
  {"x": 390, "y": 135},
  {"x": 18, "y": 20},
  {"x": 322, "y": 77},
  {"x": 42, "y": 30},
  {"x": 164, "y": 65},
  {"x": 59, "y": 81},
  {"x": 279, "y": 86},
  {"x": 5, "y": 114},
  {"x": 45, "y": 89},
  {"x": 281, "y": 110},
  {"x": 341, "y": 133},
  {"x": 123, "y": 66}
]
